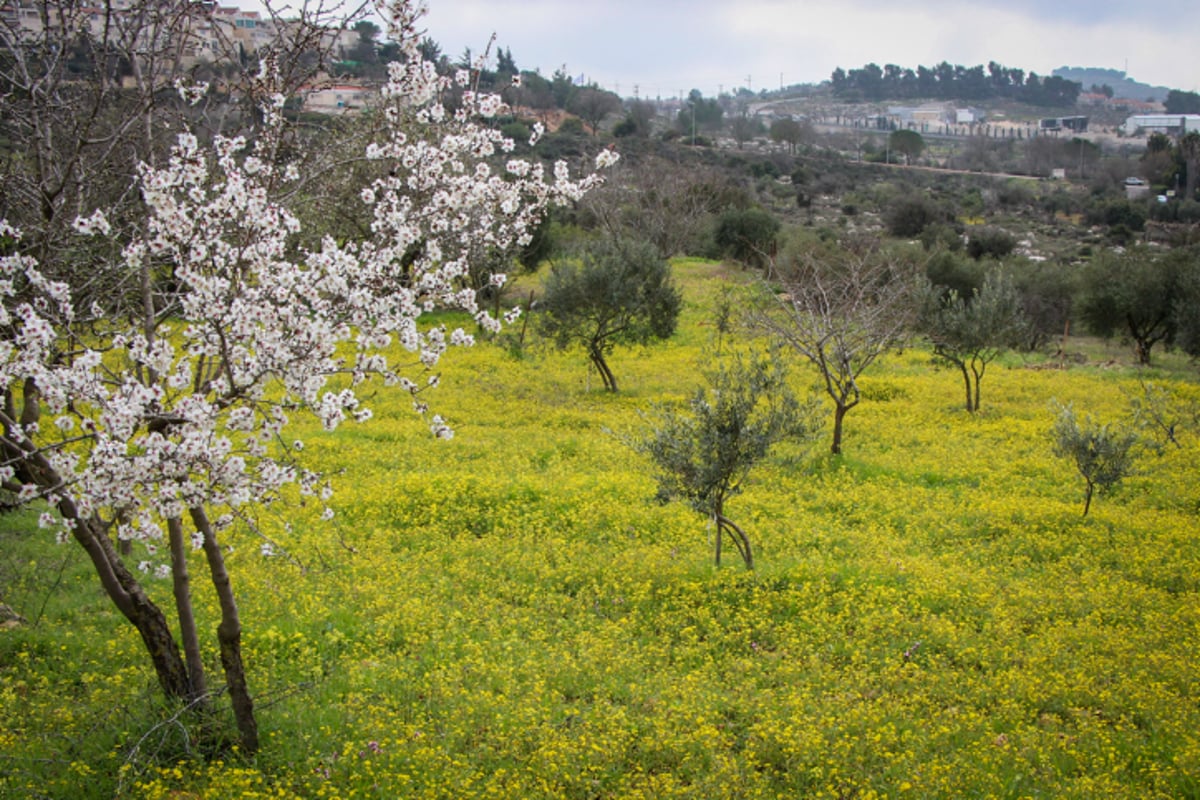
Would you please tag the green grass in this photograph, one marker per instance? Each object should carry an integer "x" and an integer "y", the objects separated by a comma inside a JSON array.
[{"x": 510, "y": 614}]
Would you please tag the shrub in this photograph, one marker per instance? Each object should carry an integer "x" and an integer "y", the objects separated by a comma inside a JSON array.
[
  {"x": 1115, "y": 213},
  {"x": 910, "y": 215},
  {"x": 991, "y": 242},
  {"x": 747, "y": 235}
]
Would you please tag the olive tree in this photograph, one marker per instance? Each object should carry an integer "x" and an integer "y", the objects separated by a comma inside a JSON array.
[
  {"x": 704, "y": 452},
  {"x": 1139, "y": 293},
  {"x": 618, "y": 291},
  {"x": 1101, "y": 452},
  {"x": 971, "y": 332}
]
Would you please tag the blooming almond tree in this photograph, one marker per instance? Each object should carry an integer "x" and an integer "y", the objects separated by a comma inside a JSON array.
[{"x": 161, "y": 434}]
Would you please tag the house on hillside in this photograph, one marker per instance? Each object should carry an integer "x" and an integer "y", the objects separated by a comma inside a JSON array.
[{"x": 336, "y": 99}]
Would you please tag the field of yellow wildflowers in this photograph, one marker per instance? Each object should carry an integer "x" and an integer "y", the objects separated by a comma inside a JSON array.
[{"x": 509, "y": 614}]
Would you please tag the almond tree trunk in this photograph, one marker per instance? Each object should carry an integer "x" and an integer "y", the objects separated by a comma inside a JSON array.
[
  {"x": 91, "y": 533},
  {"x": 129, "y": 597},
  {"x": 229, "y": 635},
  {"x": 184, "y": 609}
]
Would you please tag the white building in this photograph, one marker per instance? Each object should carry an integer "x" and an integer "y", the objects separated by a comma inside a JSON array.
[
  {"x": 1170, "y": 124},
  {"x": 336, "y": 99}
]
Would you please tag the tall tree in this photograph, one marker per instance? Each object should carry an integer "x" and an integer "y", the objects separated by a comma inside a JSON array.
[
  {"x": 907, "y": 143},
  {"x": 700, "y": 114},
  {"x": 505, "y": 65}
]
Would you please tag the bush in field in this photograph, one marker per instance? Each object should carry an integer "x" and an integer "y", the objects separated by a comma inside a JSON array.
[
  {"x": 1116, "y": 214},
  {"x": 911, "y": 214},
  {"x": 949, "y": 271},
  {"x": 704, "y": 453},
  {"x": 747, "y": 235},
  {"x": 990, "y": 242},
  {"x": 1102, "y": 453},
  {"x": 620, "y": 291}
]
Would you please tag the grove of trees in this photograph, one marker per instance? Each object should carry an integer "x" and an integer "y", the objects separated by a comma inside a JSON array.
[
  {"x": 192, "y": 268},
  {"x": 953, "y": 82}
]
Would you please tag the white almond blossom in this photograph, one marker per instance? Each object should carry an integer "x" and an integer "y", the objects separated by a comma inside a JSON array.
[{"x": 130, "y": 427}]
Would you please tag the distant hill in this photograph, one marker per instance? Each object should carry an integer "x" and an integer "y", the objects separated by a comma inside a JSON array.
[{"x": 1122, "y": 84}]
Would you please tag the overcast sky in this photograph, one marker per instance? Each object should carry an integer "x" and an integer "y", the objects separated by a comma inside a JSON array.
[{"x": 665, "y": 46}]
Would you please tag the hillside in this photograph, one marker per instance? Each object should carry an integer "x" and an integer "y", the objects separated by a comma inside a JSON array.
[
  {"x": 1122, "y": 85},
  {"x": 511, "y": 614}
]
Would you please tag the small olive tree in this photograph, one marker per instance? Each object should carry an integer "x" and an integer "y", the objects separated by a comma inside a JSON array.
[
  {"x": 972, "y": 332},
  {"x": 620, "y": 291},
  {"x": 1102, "y": 453},
  {"x": 704, "y": 453}
]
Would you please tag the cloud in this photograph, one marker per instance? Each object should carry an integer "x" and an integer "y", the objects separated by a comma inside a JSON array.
[{"x": 665, "y": 47}]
